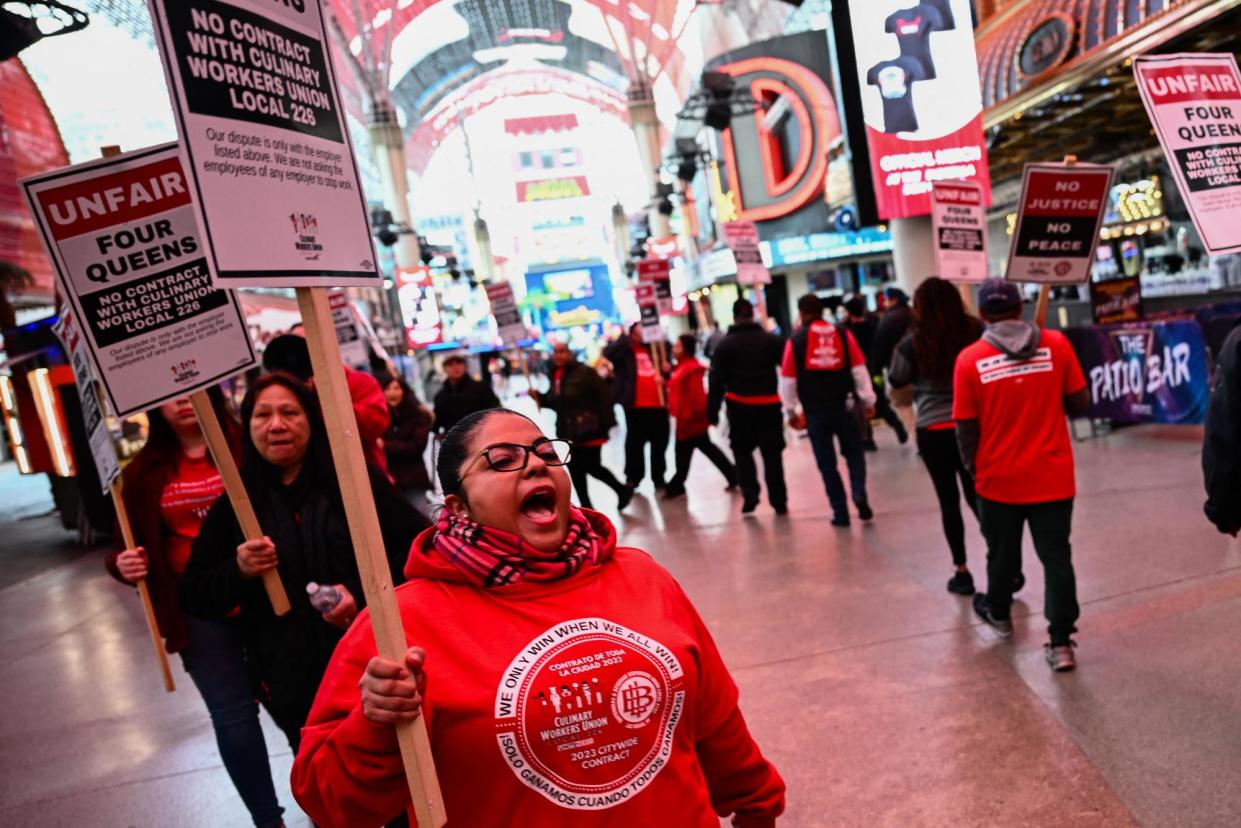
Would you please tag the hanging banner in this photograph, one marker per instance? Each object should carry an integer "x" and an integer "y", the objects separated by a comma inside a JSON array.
[
  {"x": 101, "y": 448},
  {"x": 266, "y": 142},
  {"x": 917, "y": 70},
  {"x": 123, "y": 237},
  {"x": 1058, "y": 219},
  {"x": 353, "y": 348},
  {"x": 504, "y": 310},
  {"x": 959, "y": 222},
  {"x": 1149, "y": 372},
  {"x": 1194, "y": 102},
  {"x": 742, "y": 238},
  {"x": 658, "y": 272},
  {"x": 648, "y": 309},
  {"x": 1116, "y": 300}
]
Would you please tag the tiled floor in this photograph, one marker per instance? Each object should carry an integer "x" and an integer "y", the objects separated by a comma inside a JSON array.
[{"x": 878, "y": 696}]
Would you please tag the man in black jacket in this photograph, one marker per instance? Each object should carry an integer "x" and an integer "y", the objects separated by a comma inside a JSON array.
[
  {"x": 641, "y": 390},
  {"x": 1221, "y": 448},
  {"x": 865, "y": 330},
  {"x": 743, "y": 372},
  {"x": 461, "y": 395}
]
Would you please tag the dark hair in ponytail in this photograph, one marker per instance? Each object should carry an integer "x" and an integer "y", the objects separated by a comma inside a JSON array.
[{"x": 454, "y": 450}]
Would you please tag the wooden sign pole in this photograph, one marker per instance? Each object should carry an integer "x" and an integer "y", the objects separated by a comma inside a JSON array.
[
  {"x": 368, "y": 546},
  {"x": 222, "y": 454},
  {"x": 127, "y": 534},
  {"x": 656, "y": 349}
]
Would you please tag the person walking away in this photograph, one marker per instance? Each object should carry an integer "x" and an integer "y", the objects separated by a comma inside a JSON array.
[
  {"x": 1011, "y": 391},
  {"x": 864, "y": 328},
  {"x": 512, "y": 587},
  {"x": 713, "y": 340},
  {"x": 290, "y": 354},
  {"x": 687, "y": 400},
  {"x": 744, "y": 372},
  {"x": 1221, "y": 446},
  {"x": 460, "y": 396},
  {"x": 287, "y": 469},
  {"x": 896, "y": 322},
  {"x": 584, "y": 416},
  {"x": 922, "y": 369},
  {"x": 167, "y": 489},
  {"x": 822, "y": 376},
  {"x": 636, "y": 387},
  {"x": 405, "y": 441}
]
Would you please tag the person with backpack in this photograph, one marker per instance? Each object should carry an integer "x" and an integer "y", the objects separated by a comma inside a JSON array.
[
  {"x": 823, "y": 375},
  {"x": 1011, "y": 391},
  {"x": 687, "y": 400}
]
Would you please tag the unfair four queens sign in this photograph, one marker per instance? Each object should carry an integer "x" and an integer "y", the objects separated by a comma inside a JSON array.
[
  {"x": 509, "y": 324},
  {"x": 122, "y": 235},
  {"x": 921, "y": 99},
  {"x": 1194, "y": 101},
  {"x": 648, "y": 310},
  {"x": 742, "y": 238},
  {"x": 266, "y": 143},
  {"x": 959, "y": 221},
  {"x": 1058, "y": 219}
]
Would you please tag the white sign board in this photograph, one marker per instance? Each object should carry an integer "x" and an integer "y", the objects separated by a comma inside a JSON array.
[
  {"x": 1194, "y": 101},
  {"x": 507, "y": 315},
  {"x": 742, "y": 238},
  {"x": 648, "y": 310},
  {"x": 266, "y": 143},
  {"x": 353, "y": 348},
  {"x": 1059, "y": 215},
  {"x": 123, "y": 237},
  {"x": 959, "y": 224},
  {"x": 101, "y": 448}
]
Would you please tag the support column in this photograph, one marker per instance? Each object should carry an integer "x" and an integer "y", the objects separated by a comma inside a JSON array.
[
  {"x": 389, "y": 148},
  {"x": 645, "y": 126},
  {"x": 913, "y": 252}
]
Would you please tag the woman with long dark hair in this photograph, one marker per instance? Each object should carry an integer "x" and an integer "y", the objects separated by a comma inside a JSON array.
[
  {"x": 405, "y": 441},
  {"x": 571, "y": 682},
  {"x": 287, "y": 468},
  {"x": 167, "y": 489},
  {"x": 925, "y": 360}
]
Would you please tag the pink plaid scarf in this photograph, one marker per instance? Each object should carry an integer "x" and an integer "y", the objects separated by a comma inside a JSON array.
[{"x": 493, "y": 558}]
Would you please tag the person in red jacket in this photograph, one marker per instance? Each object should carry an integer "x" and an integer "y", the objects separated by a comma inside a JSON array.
[
  {"x": 687, "y": 402},
  {"x": 168, "y": 489},
  {"x": 565, "y": 680}
]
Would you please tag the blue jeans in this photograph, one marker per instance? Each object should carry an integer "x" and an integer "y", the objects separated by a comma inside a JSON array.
[
  {"x": 822, "y": 425},
  {"x": 216, "y": 662}
]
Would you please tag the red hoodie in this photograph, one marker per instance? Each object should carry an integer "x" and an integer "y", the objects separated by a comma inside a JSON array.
[
  {"x": 599, "y": 700},
  {"x": 687, "y": 399},
  {"x": 370, "y": 407}
]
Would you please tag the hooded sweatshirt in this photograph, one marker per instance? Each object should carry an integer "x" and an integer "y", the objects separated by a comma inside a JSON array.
[
  {"x": 687, "y": 399},
  {"x": 1013, "y": 382},
  {"x": 596, "y": 700}
]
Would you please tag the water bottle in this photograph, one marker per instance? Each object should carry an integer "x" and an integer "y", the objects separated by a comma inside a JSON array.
[{"x": 323, "y": 598}]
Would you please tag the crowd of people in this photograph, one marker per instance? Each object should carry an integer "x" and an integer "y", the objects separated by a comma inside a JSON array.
[{"x": 510, "y": 588}]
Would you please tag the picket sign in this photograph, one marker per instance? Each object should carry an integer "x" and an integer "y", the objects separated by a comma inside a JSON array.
[
  {"x": 1044, "y": 291},
  {"x": 368, "y": 545},
  {"x": 238, "y": 497}
]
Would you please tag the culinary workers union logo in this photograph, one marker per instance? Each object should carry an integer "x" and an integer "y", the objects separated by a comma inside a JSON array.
[{"x": 587, "y": 712}]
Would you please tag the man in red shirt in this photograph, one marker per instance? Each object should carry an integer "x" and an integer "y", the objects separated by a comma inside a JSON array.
[
  {"x": 1012, "y": 390},
  {"x": 639, "y": 387}
]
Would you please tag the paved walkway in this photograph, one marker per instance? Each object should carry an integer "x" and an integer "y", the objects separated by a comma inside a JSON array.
[{"x": 874, "y": 690}]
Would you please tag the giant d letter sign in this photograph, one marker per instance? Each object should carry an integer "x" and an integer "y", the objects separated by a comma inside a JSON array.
[{"x": 779, "y": 185}]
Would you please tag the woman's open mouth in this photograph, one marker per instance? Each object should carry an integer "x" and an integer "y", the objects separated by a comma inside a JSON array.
[{"x": 539, "y": 505}]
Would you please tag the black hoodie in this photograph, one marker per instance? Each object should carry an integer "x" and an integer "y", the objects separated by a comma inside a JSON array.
[{"x": 1221, "y": 446}]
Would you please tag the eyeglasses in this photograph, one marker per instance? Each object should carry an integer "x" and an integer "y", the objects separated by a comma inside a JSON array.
[{"x": 512, "y": 457}]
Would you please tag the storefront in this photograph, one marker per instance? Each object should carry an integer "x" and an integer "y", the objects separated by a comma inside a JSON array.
[{"x": 1058, "y": 80}]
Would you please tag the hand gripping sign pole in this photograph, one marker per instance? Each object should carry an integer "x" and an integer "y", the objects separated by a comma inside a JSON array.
[
  {"x": 363, "y": 521},
  {"x": 108, "y": 469}
]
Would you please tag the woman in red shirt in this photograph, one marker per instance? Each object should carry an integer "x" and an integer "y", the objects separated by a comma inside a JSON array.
[
  {"x": 572, "y": 683},
  {"x": 168, "y": 489}
]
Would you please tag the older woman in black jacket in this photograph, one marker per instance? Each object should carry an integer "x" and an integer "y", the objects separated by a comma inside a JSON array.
[{"x": 289, "y": 476}]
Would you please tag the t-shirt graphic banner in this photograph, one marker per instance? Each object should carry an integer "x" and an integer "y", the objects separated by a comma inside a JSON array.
[
  {"x": 265, "y": 138},
  {"x": 129, "y": 259},
  {"x": 921, "y": 100},
  {"x": 1194, "y": 101},
  {"x": 959, "y": 222},
  {"x": 1059, "y": 215},
  {"x": 101, "y": 448},
  {"x": 1149, "y": 372}
]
